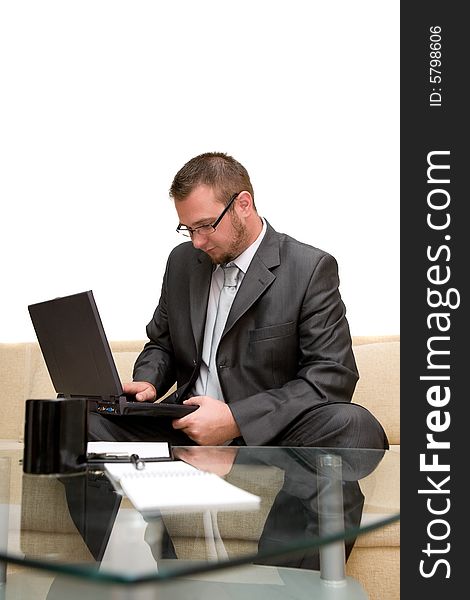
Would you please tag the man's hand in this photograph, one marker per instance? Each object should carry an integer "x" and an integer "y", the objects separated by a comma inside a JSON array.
[
  {"x": 212, "y": 424},
  {"x": 143, "y": 390},
  {"x": 215, "y": 460}
]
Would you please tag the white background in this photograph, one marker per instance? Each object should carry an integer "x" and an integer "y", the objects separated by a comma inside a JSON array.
[{"x": 103, "y": 101}]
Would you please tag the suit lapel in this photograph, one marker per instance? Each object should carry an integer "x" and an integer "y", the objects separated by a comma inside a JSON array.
[{"x": 258, "y": 277}]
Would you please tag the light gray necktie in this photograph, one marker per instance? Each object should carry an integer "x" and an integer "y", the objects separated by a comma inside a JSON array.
[{"x": 227, "y": 294}]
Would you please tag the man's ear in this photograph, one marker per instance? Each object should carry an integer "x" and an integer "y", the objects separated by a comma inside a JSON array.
[{"x": 244, "y": 204}]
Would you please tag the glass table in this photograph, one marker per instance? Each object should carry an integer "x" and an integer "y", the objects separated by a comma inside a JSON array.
[{"x": 66, "y": 536}]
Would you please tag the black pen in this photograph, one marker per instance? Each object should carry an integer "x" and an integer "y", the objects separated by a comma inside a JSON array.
[{"x": 98, "y": 459}]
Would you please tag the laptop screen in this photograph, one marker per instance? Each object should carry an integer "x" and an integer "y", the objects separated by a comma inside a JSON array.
[{"x": 75, "y": 348}]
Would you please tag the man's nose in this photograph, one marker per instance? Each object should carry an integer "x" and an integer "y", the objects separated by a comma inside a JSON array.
[{"x": 199, "y": 241}]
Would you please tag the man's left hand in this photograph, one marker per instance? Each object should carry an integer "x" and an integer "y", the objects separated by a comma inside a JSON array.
[{"x": 211, "y": 425}]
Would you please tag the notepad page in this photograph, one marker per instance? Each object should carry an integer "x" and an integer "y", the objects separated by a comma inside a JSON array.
[{"x": 177, "y": 486}]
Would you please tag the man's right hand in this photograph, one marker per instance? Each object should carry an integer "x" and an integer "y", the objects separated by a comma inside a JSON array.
[{"x": 142, "y": 390}]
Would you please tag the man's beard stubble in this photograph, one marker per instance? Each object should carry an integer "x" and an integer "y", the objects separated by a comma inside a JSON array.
[{"x": 238, "y": 244}]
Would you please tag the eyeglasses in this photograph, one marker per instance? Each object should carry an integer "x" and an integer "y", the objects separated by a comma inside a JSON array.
[{"x": 206, "y": 229}]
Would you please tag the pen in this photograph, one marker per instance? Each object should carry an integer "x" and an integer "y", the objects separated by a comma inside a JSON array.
[
  {"x": 108, "y": 455},
  {"x": 135, "y": 459}
]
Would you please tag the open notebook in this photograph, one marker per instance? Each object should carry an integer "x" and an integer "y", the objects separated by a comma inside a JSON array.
[{"x": 176, "y": 486}]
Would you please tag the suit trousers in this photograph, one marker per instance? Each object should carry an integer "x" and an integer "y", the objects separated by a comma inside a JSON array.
[{"x": 331, "y": 425}]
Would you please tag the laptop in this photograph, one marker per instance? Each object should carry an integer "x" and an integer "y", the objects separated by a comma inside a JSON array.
[{"x": 79, "y": 359}]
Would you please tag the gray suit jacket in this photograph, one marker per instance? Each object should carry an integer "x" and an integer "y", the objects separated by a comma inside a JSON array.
[{"x": 286, "y": 346}]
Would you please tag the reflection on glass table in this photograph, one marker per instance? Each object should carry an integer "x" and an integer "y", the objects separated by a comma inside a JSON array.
[{"x": 294, "y": 545}]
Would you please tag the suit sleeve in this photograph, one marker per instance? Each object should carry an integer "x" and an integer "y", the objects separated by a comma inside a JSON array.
[
  {"x": 326, "y": 369},
  {"x": 156, "y": 363}
]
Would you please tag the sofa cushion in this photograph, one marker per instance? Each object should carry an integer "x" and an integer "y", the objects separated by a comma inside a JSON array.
[
  {"x": 23, "y": 375},
  {"x": 125, "y": 363},
  {"x": 378, "y": 388},
  {"x": 13, "y": 369}
]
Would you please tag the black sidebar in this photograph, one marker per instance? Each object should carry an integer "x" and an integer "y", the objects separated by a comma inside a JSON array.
[{"x": 434, "y": 298}]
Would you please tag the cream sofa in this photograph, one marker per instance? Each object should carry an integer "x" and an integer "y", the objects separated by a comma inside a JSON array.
[{"x": 375, "y": 558}]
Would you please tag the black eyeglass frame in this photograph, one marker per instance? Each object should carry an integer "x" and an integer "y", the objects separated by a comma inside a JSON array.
[{"x": 183, "y": 229}]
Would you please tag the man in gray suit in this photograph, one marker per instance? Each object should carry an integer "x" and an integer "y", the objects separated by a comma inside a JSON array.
[{"x": 283, "y": 370}]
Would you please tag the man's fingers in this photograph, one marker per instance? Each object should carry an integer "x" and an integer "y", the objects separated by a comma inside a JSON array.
[
  {"x": 143, "y": 390},
  {"x": 195, "y": 400},
  {"x": 132, "y": 387},
  {"x": 146, "y": 396}
]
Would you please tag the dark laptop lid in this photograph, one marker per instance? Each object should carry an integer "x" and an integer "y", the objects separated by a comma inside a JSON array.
[
  {"x": 75, "y": 348},
  {"x": 93, "y": 505}
]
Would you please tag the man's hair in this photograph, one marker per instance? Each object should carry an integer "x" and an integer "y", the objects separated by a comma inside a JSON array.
[{"x": 218, "y": 170}]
